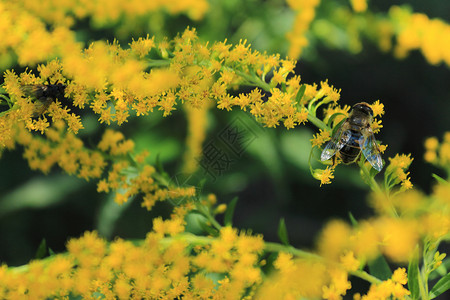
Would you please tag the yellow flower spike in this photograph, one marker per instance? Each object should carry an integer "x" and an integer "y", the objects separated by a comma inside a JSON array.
[
  {"x": 438, "y": 257},
  {"x": 365, "y": 241},
  {"x": 376, "y": 126},
  {"x": 142, "y": 47},
  {"x": 444, "y": 154},
  {"x": 334, "y": 239},
  {"x": 430, "y": 156},
  {"x": 349, "y": 261},
  {"x": 400, "y": 237},
  {"x": 359, "y": 5},
  {"x": 400, "y": 161},
  {"x": 447, "y": 137},
  {"x": 431, "y": 143},
  {"x": 382, "y": 148},
  {"x": 324, "y": 176},
  {"x": 329, "y": 92},
  {"x": 220, "y": 209},
  {"x": 320, "y": 138},
  {"x": 310, "y": 93},
  {"x": 377, "y": 108},
  {"x": 441, "y": 192},
  {"x": 406, "y": 184},
  {"x": 400, "y": 276},
  {"x": 305, "y": 12}
]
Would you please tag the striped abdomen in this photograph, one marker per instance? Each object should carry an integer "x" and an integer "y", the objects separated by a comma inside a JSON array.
[{"x": 350, "y": 152}]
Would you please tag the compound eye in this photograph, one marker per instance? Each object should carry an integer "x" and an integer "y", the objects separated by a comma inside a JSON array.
[{"x": 368, "y": 110}]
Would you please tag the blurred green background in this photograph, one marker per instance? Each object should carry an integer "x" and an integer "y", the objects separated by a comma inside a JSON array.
[{"x": 271, "y": 177}]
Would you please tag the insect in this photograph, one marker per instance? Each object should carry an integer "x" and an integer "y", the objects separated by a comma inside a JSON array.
[
  {"x": 353, "y": 137},
  {"x": 44, "y": 95}
]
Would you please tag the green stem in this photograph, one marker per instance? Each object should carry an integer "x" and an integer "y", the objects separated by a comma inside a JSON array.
[
  {"x": 317, "y": 122},
  {"x": 366, "y": 276},
  {"x": 254, "y": 80},
  {"x": 372, "y": 182},
  {"x": 275, "y": 247},
  {"x": 423, "y": 282},
  {"x": 213, "y": 220},
  {"x": 151, "y": 63}
]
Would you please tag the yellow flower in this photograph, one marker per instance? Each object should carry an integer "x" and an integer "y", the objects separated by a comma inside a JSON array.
[
  {"x": 377, "y": 108},
  {"x": 320, "y": 138},
  {"x": 431, "y": 143},
  {"x": 296, "y": 279},
  {"x": 359, "y": 5},
  {"x": 399, "y": 237},
  {"x": 349, "y": 261},
  {"x": 331, "y": 94},
  {"x": 324, "y": 176},
  {"x": 400, "y": 276},
  {"x": 305, "y": 12},
  {"x": 430, "y": 156},
  {"x": 365, "y": 241},
  {"x": 334, "y": 239}
]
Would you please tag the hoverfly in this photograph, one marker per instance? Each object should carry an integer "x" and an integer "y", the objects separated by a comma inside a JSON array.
[
  {"x": 44, "y": 95},
  {"x": 353, "y": 137}
]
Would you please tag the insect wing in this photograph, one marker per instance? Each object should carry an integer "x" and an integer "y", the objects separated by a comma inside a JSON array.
[
  {"x": 31, "y": 90},
  {"x": 337, "y": 142},
  {"x": 36, "y": 93},
  {"x": 370, "y": 150}
]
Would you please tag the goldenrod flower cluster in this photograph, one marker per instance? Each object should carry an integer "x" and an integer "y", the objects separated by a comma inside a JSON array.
[
  {"x": 438, "y": 153},
  {"x": 395, "y": 238},
  {"x": 416, "y": 31},
  {"x": 396, "y": 171},
  {"x": 164, "y": 265},
  {"x": 359, "y": 5},
  {"x": 407, "y": 30},
  {"x": 304, "y": 15},
  {"x": 105, "y": 13},
  {"x": 24, "y": 24},
  {"x": 388, "y": 289},
  {"x": 24, "y": 35},
  {"x": 118, "y": 83},
  {"x": 197, "y": 125}
]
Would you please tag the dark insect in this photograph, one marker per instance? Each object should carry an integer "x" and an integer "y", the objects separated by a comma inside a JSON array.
[
  {"x": 353, "y": 137},
  {"x": 43, "y": 95}
]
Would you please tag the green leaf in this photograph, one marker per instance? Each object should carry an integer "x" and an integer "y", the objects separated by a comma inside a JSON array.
[
  {"x": 441, "y": 286},
  {"x": 200, "y": 185},
  {"x": 333, "y": 116},
  {"x": 301, "y": 92},
  {"x": 39, "y": 192},
  {"x": 380, "y": 268},
  {"x": 440, "y": 179},
  {"x": 228, "y": 218},
  {"x": 158, "y": 164},
  {"x": 282, "y": 232},
  {"x": 41, "y": 251},
  {"x": 295, "y": 146},
  {"x": 413, "y": 276},
  {"x": 352, "y": 219},
  {"x": 208, "y": 228},
  {"x": 335, "y": 128}
]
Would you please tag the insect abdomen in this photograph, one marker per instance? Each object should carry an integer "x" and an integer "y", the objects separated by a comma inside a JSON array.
[{"x": 350, "y": 152}]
